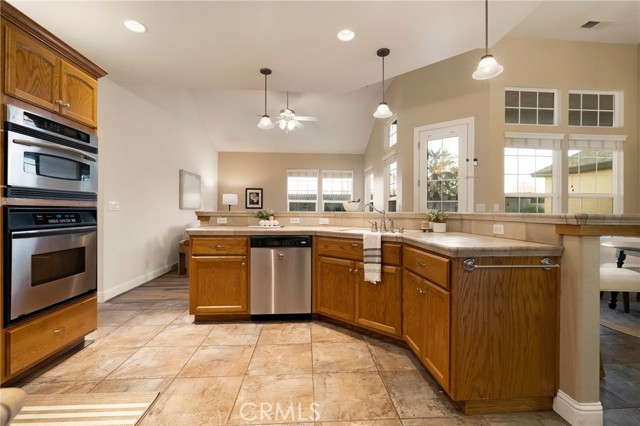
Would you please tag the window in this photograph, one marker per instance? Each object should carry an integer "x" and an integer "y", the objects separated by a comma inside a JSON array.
[
  {"x": 368, "y": 185},
  {"x": 531, "y": 173},
  {"x": 392, "y": 132},
  {"x": 595, "y": 109},
  {"x": 594, "y": 181},
  {"x": 530, "y": 106},
  {"x": 391, "y": 182},
  {"x": 302, "y": 190},
  {"x": 337, "y": 186}
]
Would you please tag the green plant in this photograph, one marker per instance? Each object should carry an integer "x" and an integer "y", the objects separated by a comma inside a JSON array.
[
  {"x": 354, "y": 201},
  {"x": 262, "y": 214},
  {"x": 436, "y": 215}
]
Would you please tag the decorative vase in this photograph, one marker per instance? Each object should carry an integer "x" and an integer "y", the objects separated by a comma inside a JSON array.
[{"x": 439, "y": 226}]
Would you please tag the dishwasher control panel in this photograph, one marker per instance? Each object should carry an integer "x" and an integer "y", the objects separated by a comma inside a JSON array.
[{"x": 281, "y": 241}]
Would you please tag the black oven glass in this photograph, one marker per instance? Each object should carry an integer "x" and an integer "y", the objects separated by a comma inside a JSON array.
[
  {"x": 55, "y": 265},
  {"x": 55, "y": 167}
]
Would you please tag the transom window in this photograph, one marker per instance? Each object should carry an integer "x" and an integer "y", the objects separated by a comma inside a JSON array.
[
  {"x": 595, "y": 109},
  {"x": 530, "y": 106},
  {"x": 392, "y": 132},
  {"x": 391, "y": 198},
  {"x": 302, "y": 190},
  {"x": 337, "y": 187}
]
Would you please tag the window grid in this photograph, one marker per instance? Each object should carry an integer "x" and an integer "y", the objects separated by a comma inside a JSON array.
[
  {"x": 591, "y": 181},
  {"x": 337, "y": 186},
  {"x": 530, "y": 106},
  {"x": 302, "y": 190},
  {"x": 528, "y": 180},
  {"x": 392, "y": 174},
  {"x": 594, "y": 109},
  {"x": 393, "y": 133}
]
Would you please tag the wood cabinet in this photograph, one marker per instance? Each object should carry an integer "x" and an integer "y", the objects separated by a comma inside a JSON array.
[
  {"x": 341, "y": 291},
  {"x": 30, "y": 342},
  {"x": 218, "y": 276},
  {"x": 36, "y": 74}
]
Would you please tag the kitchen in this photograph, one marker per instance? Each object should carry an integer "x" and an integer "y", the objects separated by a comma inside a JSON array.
[{"x": 135, "y": 120}]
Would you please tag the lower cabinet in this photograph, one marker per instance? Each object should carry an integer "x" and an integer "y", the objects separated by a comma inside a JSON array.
[
  {"x": 378, "y": 305},
  {"x": 218, "y": 276},
  {"x": 336, "y": 288},
  {"x": 425, "y": 324}
]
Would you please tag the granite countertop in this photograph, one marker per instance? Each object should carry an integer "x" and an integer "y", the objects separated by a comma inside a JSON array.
[{"x": 452, "y": 244}]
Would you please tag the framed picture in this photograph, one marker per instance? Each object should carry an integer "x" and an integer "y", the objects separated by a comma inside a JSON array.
[
  {"x": 253, "y": 198},
  {"x": 189, "y": 190}
]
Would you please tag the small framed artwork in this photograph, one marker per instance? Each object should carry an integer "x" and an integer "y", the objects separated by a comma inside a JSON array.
[{"x": 253, "y": 198}]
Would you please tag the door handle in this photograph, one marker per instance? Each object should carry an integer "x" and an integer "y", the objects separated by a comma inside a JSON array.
[
  {"x": 54, "y": 146},
  {"x": 281, "y": 255}
]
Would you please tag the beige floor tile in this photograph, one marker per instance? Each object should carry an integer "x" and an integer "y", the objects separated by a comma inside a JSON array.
[
  {"x": 130, "y": 336},
  {"x": 91, "y": 363},
  {"x": 413, "y": 396},
  {"x": 210, "y": 361},
  {"x": 233, "y": 334},
  {"x": 352, "y": 396},
  {"x": 132, "y": 385},
  {"x": 447, "y": 421},
  {"x": 136, "y": 307},
  {"x": 342, "y": 357},
  {"x": 184, "y": 319},
  {"x": 153, "y": 363},
  {"x": 54, "y": 386},
  {"x": 181, "y": 335},
  {"x": 387, "y": 422},
  {"x": 194, "y": 402},
  {"x": 544, "y": 418},
  {"x": 390, "y": 357},
  {"x": 322, "y": 332},
  {"x": 171, "y": 305},
  {"x": 273, "y": 360},
  {"x": 274, "y": 399},
  {"x": 99, "y": 333},
  {"x": 155, "y": 317},
  {"x": 115, "y": 318},
  {"x": 285, "y": 333}
]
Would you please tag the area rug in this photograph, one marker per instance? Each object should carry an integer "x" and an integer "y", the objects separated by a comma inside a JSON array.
[
  {"x": 617, "y": 319},
  {"x": 98, "y": 409}
]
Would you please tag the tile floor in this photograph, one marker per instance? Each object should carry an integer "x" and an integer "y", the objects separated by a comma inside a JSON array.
[{"x": 253, "y": 373}]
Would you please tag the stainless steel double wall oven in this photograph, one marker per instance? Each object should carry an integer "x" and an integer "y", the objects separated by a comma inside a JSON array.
[{"x": 50, "y": 235}]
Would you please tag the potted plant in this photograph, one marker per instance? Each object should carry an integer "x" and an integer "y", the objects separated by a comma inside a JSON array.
[{"x": 437, "y": 218}]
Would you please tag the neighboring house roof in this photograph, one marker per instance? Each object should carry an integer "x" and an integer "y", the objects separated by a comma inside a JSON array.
[{"x": 582, "y": 161}]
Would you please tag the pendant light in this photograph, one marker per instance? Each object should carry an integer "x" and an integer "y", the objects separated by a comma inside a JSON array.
[
  {"x": 488, "y": 66},
  {"x": 265, "y": 121},
  {"x": 383, "y": 110}
]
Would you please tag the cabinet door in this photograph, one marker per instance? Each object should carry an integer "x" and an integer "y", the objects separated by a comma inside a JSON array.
[
  {"x": 336, "y": 288},
  {"x": 378, "y": 305},
  {"x": 437, "y": 338},
  {"x": 79, "y": 94},
  {"x": 218, "y": 285},
  {"x": 32, "y": 72},
  {"x": 413, "y": 305}
]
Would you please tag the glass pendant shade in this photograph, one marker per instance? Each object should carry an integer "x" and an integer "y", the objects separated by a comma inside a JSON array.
[
  {"x": 265, "y": 122},
  {"x": 383, "y": 111},
  {"x": 487, "y": 68},
  {"x": 291, "y": 125}
]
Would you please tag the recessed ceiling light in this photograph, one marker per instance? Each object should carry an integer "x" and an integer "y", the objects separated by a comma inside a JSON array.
[
  {"x": 134, "y": 26},
  {"x": 346, "y": 35}
]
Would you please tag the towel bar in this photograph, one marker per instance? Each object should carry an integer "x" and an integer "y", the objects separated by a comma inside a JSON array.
[{"x": 469, "y": 265}]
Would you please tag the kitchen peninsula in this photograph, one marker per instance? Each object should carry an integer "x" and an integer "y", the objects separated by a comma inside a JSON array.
[{"x": 488, "y": 336}]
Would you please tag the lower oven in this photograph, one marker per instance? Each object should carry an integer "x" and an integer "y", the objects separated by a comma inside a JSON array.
[{"x": 50, "y": 258}]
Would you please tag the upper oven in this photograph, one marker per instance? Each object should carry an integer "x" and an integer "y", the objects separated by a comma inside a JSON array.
[{"x": 47, "y": 159}]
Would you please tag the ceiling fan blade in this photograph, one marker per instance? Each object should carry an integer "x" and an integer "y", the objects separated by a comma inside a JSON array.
[
  {"x": 306, "y": 118},
  {"x": 299, "y": 125}
]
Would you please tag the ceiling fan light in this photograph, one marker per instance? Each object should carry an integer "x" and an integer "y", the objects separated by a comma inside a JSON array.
[
  {"x": 291, "y": 125},
  {"x": 487, "y": 68},
  {"x": 265, "y": 123},
  {"x": 383, "y": 111},
  {"x": 282, "y": 124}
]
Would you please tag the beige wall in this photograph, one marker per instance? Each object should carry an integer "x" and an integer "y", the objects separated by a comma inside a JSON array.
[
  {"x": 445, "y": 91},
  {"x": 240, "y": 170}
]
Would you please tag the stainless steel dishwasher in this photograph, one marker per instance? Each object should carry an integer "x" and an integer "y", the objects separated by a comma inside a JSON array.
[{"x": 281, "y": 275}]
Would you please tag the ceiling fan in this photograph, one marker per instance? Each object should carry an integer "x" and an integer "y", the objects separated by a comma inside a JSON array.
[{"x": 289, "y": 120}]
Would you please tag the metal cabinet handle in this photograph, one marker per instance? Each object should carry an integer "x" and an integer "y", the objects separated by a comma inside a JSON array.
[
  {"x": 242, "y": 264},
  {"x": 59, "y": 102},
  {"x": 350, "y": 270},
  {"x": 60, "y": 330},
  {"x": 355, "y": 271},
  {"x": 354, "y": 244},
  {"x": 219, "y": 246},
  {"x": 67, "y": 105},
  {"x": 422, "y": 264}
]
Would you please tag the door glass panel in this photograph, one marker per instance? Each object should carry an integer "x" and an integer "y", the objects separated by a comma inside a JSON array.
[{"x": 442, "y": 173}]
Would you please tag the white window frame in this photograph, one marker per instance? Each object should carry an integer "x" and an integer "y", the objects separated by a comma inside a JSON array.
[
  {"x": 546, "y": 141},
  {"x": 322, "y": 176},
  {"x": 618, "y": 107},
  {"x": 318, "y": 183},
  {"x": 369, "y": 185},
  {"x": 466, "y": 172},
  {"x": 556, "y": 105},
  {"x": 388, "y": 159},
  {"x": 387, "y": 129},
  {"x": 613, "y": 143}
]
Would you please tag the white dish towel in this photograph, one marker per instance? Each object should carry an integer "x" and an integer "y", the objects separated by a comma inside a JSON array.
[{"x": 372, "y": 244}]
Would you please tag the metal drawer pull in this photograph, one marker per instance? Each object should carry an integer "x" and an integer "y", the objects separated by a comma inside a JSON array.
[
  {"x": 350, "y": 269},
  {"x": 219, "y": 246},
  {"x": 422, "y": 264},
  {"x": 354, "y": 244},
  {"x": 355, "y": 271},
  {"x": 469, "y": 265}
]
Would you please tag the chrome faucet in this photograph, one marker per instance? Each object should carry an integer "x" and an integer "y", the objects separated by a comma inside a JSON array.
[{"x": 383, "y": 222}]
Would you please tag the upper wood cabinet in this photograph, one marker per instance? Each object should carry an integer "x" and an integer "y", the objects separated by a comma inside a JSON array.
[{"x": 36, "y": 74}]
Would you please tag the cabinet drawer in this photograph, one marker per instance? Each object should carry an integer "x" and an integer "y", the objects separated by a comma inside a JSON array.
[
  {"x": 429, "y": 266},
  {"x": 36, "y": 339},
  {"x": 392, "y": 254},
  {"x": 340, "y": 248},
  {"x": 219, "y": 246}
]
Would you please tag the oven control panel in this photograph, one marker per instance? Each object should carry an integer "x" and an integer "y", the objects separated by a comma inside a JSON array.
[{"x": 55, "y": 218}]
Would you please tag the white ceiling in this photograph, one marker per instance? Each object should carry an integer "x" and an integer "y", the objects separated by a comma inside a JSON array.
[{"x": 213, "y": 50}]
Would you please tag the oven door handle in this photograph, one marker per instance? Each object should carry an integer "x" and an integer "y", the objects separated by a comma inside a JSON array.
[
  {"x": 57, "y": 231},
  {"x": 49, "y": 145}
]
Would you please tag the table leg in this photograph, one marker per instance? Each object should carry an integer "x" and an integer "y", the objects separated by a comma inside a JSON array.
[{"x": 621, "y": 257}]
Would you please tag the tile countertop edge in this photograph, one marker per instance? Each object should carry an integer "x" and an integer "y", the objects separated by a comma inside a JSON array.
[{"x": 452, "y": 244}]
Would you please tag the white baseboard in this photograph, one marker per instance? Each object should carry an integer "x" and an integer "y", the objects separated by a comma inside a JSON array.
[
  {"x": 103, "y": 296},
  {"x": 578, "y": 413}
]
